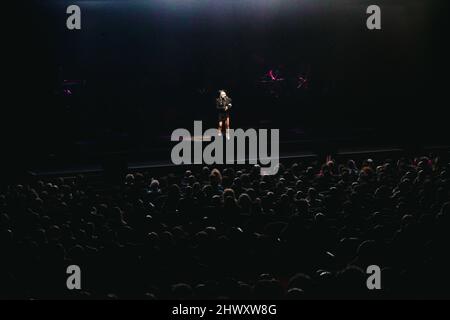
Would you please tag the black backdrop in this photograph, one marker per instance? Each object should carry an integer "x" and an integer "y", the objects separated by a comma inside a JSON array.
[{"x": 148, "y": 67}]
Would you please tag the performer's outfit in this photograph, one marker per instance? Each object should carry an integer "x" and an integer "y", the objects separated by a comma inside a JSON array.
[{"x": 221, "y": 104}]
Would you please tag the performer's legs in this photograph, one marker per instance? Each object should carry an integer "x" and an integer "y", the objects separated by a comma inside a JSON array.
[
  {"x": 220, "y": 128},
  {"x": 227, "y": 125}
]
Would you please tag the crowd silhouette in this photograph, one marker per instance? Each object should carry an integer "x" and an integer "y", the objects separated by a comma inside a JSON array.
[{"x": 311, "y": 231}]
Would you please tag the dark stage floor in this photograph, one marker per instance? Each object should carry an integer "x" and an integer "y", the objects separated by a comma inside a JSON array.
[{"x": 92, "y": 156}]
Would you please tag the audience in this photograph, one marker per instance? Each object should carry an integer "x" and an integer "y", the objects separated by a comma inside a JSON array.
[{"x": 308, "y": 232}]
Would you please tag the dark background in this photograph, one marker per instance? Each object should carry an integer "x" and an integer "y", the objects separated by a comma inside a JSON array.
[{"x": 145, "y": 68}]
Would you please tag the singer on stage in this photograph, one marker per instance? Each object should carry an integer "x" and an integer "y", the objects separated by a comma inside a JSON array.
[{"x": 223, "y": 105}]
